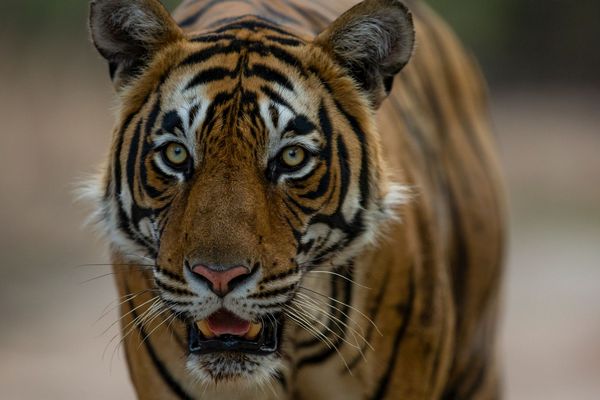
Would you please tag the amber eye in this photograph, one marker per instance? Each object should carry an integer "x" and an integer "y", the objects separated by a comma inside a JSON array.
[
  {"x": 176, "y": 155},
  {"x": 293, "y": 156}
]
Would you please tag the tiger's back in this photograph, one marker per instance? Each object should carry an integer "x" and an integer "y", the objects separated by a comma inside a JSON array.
[{"x": 414, "y": 316}]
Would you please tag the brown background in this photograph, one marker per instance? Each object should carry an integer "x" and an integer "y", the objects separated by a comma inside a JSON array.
[{"x": 55, "y": 119}]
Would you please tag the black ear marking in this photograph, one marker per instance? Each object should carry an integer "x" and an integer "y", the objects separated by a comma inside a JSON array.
[
  {"x": 127, "y": 33},
  {"x": 373, "y": 41}
]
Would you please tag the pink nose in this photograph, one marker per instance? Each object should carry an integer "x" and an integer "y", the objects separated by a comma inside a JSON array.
[{"x": 222, "y": 282}]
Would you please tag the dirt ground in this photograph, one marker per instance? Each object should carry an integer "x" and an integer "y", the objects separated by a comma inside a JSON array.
[{"x": 55, "y": 127}]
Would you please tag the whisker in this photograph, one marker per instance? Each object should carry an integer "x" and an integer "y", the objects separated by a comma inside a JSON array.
[
  {"x": 336, "y": 320},
  {"x": 96, "y": 278},
  {"x": 111, "y": 306},
  {"x": 336, "y": 334},
  {"x": 139, "y": 256},
  {"x": 125, "y": 330},
  {"x": 334, "y": 307},
  {"x": 335, "y": 348},
  {"x": 305, "y": 324},
  {"x": 157, "y": 326},
  {"x": 135, "y": 324},
  {"x": 314, "y": 271},
  {"x": 112, "y": 265},
  {"x": 346, "y": 305},
  {"x": 154, "y": 298},
  {"x": 353, "y": 332}
]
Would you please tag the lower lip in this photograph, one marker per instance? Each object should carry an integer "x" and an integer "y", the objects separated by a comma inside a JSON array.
[{"x": 266, "y": 343}]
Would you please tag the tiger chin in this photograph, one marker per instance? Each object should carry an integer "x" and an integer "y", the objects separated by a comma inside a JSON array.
[{"x": 299, "y": 202}]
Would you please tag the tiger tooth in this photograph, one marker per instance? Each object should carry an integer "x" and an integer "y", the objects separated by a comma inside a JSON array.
[
  {"x": 255, "y": 328},
  {"x": 205, "y": 329}
]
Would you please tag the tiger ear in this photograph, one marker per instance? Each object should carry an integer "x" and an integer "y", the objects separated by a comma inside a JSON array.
[
  {"x": 373, "y": 41},
  {"x": 128, "y": 32}
]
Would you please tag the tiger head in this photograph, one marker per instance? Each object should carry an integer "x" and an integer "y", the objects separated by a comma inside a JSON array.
[{"x": 244, "y": 156}]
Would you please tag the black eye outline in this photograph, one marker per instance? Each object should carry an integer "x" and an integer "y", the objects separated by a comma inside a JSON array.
[
  {"x": 283, "y": 166},
  {"x": 181, "y": 167}
]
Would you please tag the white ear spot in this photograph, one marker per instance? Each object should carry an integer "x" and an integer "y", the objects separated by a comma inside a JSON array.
[
  {"x": 141, "y": 25},
  {"x": 371, "y": 39}
]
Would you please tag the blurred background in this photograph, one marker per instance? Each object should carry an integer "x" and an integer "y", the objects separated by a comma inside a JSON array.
[{"x": 542, "y": 60}]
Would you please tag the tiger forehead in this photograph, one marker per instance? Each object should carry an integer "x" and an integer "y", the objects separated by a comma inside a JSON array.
[
  {"x": 240, "y": 51},
  {"x": 246, "y": 87}
]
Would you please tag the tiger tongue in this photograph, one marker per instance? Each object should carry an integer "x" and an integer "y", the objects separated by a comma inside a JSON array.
[{"x": 225, "y": 323}]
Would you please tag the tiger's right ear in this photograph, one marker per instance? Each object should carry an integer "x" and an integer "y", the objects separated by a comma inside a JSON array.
[{"x": 127, "y": 33}]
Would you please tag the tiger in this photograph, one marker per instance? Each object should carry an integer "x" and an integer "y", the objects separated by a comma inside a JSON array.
[{"x": 302, "y": 200}]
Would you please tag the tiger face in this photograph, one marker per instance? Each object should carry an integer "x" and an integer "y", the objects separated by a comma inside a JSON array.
[{"x": 245, "y": 156}]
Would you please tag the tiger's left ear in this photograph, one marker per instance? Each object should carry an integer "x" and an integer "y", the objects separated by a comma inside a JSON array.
[
  {"x": 127, "y": 33},
  {"x": 373, "y": 41}
]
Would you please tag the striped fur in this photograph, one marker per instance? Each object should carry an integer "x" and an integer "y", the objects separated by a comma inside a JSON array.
[{"x": 383, "y": 251}]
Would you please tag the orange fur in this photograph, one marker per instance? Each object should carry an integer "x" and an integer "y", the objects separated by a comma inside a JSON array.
[{"x": 418, "y": 295}]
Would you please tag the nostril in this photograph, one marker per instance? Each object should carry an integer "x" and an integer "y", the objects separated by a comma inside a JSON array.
[{"x": 221, "y": 281}]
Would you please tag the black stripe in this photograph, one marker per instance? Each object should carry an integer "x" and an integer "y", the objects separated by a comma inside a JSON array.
[
  {"x": 112, "y": 70},
  {"x": 356, "y": 227},
  {"x": 285, "y": 41},
  {"x": 281, "y": 379},
  {"x": 137, "y": 212},
  {"x": 337, "y": 219},
  {"x": 300, "y": 125},
  {"x": 327, "y": 130},
  {"x": 209, "y": 38},
  {"x": 280, "y": 276},
  {"x": 163, "y": 371},
  {"x": 275, "y": 292},
  {"x": 276, "y": 98},
  {"x": 177, "y": 303},
  {"x": 116, "y": 161},
  {"x": 270, "y": 75},
  {"x": 147, "y": 146},
  {"x": 171, "y": 122},
  {"x": 364, "y": 170},
  {"x": 468, "y": 383},
  {"x": 132, "y": 158},
  {"x": 406, "y": 313},
  {"x": 372, "y": 314},
  {"x": 172, "y": 289},
  {"x": 123, "y": 220},
  {"x": 169, "y": 274},
  {"x": 287, "y": 58},
  {"x": 207, "y": 53},
  {"x": 210, "y": 75},
  {"x": 478, "y": 379},
  {"x": 304, "y": 209},
  {"x": 292, "y": 210},
  {"x": 250, "y": 46},
  {"x": 153, "y": 116}
]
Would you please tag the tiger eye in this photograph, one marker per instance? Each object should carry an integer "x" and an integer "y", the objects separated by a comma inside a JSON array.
[
  {"x": 293, "y": 156},
  {"x": 176, "y": 154}
]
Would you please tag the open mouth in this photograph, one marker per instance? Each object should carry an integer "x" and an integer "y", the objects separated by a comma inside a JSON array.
[{"x": 225, "y": 331}]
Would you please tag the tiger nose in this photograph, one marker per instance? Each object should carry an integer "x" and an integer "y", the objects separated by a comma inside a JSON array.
[{"x": 221, "y": 281}]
